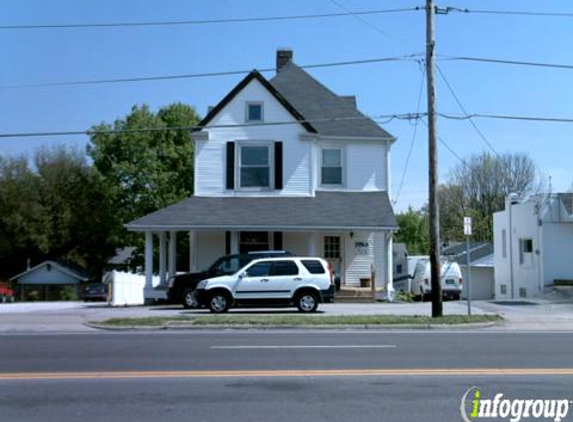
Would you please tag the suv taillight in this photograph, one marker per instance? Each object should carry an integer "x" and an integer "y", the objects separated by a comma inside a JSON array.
[
  {"x": 461, "y": 281},
  {"x": 426, "y": 281}
]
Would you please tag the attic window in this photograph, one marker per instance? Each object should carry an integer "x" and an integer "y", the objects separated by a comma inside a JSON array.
[{"x": 254, "y": 112}]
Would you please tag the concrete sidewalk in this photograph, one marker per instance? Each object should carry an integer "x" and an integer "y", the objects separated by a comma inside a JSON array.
[{"x": 72, "y": 316}]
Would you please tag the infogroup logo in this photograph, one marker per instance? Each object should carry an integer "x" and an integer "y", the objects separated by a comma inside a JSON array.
[{"x": 474, "y": 407}]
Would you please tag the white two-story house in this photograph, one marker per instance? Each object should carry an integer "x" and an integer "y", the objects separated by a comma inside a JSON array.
[{"x": 283, "y": 164}]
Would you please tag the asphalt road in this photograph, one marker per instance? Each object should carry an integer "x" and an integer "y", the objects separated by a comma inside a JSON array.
[{"x": 273, "y": 375}]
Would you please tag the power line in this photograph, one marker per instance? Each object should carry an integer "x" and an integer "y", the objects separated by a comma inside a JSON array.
[
  {"x": 357, "y": 16},
  {"x": 446, "y": 145},
  {"x": 207, "y": 74},
  {"x": 413, "y": 140},
  {"x": 206, "y": 21},
  {"x": 505, "y": 61},
  {"x": 508, "y": 117},
  {"x": 508, "y": 12},
  {"x": 403, "y": 116},
  {"x": 460, "y": 105}
]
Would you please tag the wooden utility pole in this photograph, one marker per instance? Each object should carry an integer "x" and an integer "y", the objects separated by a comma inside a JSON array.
[{"x": 437, "y": 310}]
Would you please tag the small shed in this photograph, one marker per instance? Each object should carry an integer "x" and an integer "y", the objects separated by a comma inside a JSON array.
[{"x": 51, "y": 281}]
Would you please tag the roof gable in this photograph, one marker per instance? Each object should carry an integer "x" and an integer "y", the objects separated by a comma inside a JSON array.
[
  {"x": 75, "y": 272},
  {"x": 255, "y": 75}
]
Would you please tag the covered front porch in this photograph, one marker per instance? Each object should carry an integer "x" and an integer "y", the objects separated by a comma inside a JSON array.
[{"x": 351, "y": 230}]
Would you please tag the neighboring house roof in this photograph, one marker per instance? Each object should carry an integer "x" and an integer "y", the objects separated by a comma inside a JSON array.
[
  {"x": 122, "y": 255},
  {"x": 567, "y": 200},
  {"x": 330, "y": 114},
  {"x": 71, "y": 269},
  {"x": 326, "y": 210},
  {"x": 478, "y": 251},
  {"x": 318, "y": 109},
  {"x": 254, "y": 75}
]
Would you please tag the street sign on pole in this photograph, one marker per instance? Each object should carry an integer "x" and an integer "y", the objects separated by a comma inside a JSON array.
[
  {"x": 468, "y": 233},
  {"x": 467, "y": 226}
]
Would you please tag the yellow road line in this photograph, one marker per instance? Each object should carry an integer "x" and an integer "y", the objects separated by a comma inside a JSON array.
[{"x": 288, "y": 373}]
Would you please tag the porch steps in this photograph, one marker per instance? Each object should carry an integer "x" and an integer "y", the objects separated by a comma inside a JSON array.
[{"x": 353, "y": 295}]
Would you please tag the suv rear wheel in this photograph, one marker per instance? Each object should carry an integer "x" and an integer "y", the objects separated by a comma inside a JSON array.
[
  {"x": 307, "y": 302},
  {"x": 219, "y": 302},
  {"x": 190, "y": 299}
]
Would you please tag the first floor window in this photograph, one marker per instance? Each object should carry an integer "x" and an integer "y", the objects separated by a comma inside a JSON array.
[
  {"x": 525, "y": 251},
  {"x": 254, "y": 166},
  {"x": 331, "y": 168}
]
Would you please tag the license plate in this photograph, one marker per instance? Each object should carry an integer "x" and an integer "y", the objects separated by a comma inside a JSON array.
[{"x": 450, "y": 281}]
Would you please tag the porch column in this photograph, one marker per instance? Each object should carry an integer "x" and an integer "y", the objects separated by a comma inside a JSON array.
[
  {"x": 172, "y": 253},
  {"x": 192, "y": 251},
  {"x": 162, "y": 259},
  {"x": 148, "y": 261},
  {"x": 389, "y": 270},
  {"x": 311, "y": 244},
  {"x": 234, "y": 242}
]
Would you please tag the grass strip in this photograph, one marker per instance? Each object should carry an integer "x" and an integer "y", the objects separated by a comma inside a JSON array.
[{"x": 293, "y": 320}]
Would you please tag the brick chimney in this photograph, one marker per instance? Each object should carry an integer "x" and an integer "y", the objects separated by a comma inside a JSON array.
[{"x": 284, "y": 56}]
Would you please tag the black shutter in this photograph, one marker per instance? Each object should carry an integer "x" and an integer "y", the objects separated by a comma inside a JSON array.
[
  {"x": 277, "y": 241},
  {"x": 230, "y": 165},
  {"x": 227, "y": 243},
  {"x": 278, "y": 165}
]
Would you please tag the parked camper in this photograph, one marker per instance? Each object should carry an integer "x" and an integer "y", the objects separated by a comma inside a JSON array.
[{"x": 451, "y": 280}]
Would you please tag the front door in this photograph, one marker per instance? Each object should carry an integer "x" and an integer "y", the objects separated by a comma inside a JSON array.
[{"x": 333, "y": 253}]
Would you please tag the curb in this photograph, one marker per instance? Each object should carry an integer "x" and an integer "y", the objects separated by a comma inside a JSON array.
[{"x": 187, "y": 326}]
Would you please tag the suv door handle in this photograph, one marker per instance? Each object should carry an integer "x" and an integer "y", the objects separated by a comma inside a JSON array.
[
  {"x": 264, "y": 280},
  {"x": 297, "y": 279}
]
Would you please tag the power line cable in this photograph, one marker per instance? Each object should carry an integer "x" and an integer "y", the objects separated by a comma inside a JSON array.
[
  {"x": 413, "y": 140},
  {"x": 443, "y": 57},
  {"x": 403, "y": 116},
  {"x": 508, "y": 117},
  {"x": 444, "y": 143},
  {"x": 462, "y": 108},
  {"x": 508, "y": 12},
  {"x": 361, "y": 19},
  {"x": 207, "y": 21},
  {"x": 207, "y": 74}
]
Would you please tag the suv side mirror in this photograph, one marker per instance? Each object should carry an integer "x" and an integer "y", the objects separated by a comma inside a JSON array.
[{"x": 243, "y": 275}]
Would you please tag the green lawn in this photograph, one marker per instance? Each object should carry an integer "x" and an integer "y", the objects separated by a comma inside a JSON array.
[{"x": 294, "y": 320}]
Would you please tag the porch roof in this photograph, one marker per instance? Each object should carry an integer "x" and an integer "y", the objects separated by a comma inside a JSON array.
[{"x": 324, "y": 211}]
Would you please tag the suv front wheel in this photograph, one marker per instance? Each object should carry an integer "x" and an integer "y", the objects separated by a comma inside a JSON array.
[
  {"x": 219, "y": 302},
  {"x": 307, "y": 302}
]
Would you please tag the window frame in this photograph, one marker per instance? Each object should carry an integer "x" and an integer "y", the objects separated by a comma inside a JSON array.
[
  {"x": 342, "y": 167},
  {"x": 248, "y": 104},
  {"x": 238, "y": 165}
]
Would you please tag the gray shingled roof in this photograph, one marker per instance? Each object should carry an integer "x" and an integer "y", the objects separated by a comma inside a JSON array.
[
  {"x": 478, "y": 250},
  {"x": 326, "y": 210},
  {"x": 316, "y": 102},
  {"x": 567, "y": 200}
]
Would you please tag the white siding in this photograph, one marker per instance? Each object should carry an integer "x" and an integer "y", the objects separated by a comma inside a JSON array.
[
  {"x": 556, "y": 252},
  {"x": 210, "y": 164},
  {"x": 210, "y": 246},
  {"x": 358, "y": 266},
  {"x": 364, "y": 164}
]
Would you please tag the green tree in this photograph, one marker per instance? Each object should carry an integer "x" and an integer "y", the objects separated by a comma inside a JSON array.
[
  {"x": 59, "y": 211},
  {"x": 146, "y": 170},
  {"x": 413, "y": 231}
]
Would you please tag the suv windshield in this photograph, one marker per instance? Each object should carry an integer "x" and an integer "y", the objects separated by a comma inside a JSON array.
[{"x": 226, "y": 264}]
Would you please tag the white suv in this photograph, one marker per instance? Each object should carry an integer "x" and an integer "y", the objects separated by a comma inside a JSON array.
[{"x": 302, "y": 282}]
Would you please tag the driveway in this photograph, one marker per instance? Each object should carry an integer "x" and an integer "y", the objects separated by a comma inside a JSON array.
[{"x": 72, "y": 316}]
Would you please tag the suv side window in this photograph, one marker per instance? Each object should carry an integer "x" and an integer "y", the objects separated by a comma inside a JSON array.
[
  {"x": 285, "y": 268},
  {"x": 260, "y": 269},
  {"x": 313, "y": 266},
  {"x": 228, "y": 264}
]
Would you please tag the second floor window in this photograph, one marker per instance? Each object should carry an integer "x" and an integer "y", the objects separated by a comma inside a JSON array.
[
  {"x": 254, "y": 112},
  {"x": 331, "y": 167},
  {"x": 254, "y": 166}
]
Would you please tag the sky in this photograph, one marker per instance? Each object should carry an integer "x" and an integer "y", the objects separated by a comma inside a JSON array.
[{"x": 76, "y": 54}]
